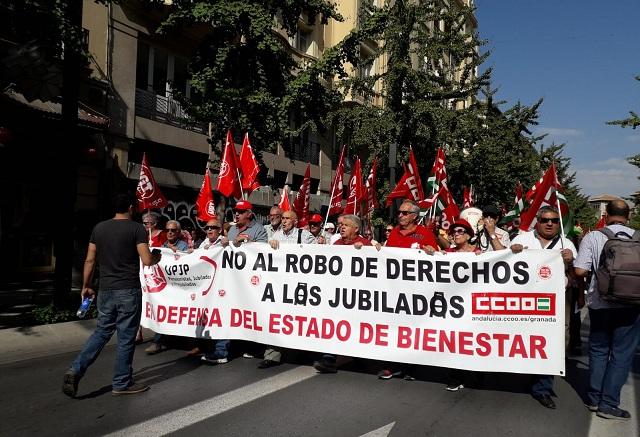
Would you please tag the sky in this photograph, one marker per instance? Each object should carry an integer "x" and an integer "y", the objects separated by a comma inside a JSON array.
[{"x": 581, "y": 57}]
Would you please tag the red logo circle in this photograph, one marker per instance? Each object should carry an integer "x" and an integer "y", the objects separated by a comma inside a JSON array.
[
  {"x": 255, "y": 280},
  {"x": 544, "y": 272},
  {"x": 221, "y": 292}
]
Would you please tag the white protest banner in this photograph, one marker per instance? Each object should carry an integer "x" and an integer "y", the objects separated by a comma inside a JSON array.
[{"x": 498, "y": 311}]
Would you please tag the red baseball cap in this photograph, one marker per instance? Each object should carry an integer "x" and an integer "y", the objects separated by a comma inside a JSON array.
[
  {"x": 243, "y": 205},
  {"x": 316, "y": 218},
  {"x": 462, "y": 223}
]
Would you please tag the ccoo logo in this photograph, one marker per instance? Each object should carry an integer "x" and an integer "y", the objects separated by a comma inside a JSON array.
[{"x": 524, "y": 304}]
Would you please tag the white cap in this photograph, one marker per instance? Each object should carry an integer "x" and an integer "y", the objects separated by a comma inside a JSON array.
[{"x": 329, "y": 225}]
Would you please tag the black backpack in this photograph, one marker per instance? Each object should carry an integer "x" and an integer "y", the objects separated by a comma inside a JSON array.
[{"x": 618, "y": 275}]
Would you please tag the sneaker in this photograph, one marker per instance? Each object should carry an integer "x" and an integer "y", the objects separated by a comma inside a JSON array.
[
  {"x": 454, "y": 386},
  {"x": 388, "y": 374},
  {"x": 613, "y": 413},
  {"x": 247, "y": 355},
  {"x": 324, "y": 366},
  {"x": 592, "y": 408},
  {"x": 155, "y": 348},
  {"x": 408, "y": 377},
  {"x": 131, "y": 390},
  {"x": 214, "y": 360},
  {"x": 70, "y": 383}
]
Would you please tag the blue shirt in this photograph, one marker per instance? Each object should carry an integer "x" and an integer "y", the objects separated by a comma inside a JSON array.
[{"x": 181, "y": 245}]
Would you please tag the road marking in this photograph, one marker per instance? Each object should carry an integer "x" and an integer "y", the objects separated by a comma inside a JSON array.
[
  {"x": 191, "y": 414},
  {"x": 380, "y": 432}
]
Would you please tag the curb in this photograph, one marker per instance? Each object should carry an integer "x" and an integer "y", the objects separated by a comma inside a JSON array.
[{"x": 24, "y": 343}]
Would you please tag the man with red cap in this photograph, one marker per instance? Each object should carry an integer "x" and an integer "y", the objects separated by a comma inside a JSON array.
[
  {"x": 246, "y": 228},
  {"x": 315, "y": 227}
]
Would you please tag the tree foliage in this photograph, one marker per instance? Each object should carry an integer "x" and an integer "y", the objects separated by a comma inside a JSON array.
[
  {"x": 243, "y": 74},
  {"x": 633, "y": 121}
]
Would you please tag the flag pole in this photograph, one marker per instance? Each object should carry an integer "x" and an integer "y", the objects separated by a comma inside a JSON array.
[{"x": 555, "y": 186}]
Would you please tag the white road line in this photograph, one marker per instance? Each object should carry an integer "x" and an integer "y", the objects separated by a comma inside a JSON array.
[
  {"x": 380, "y": 432},
  {"x": 176, "y": 420}
]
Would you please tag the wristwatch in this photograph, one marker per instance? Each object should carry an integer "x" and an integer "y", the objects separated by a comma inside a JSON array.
[{"x": 492, "y": 236}]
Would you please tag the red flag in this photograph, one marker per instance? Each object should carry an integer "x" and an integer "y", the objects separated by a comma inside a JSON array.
[
  {"x": 249, "y": 167},
  {"x": 228, "y": 180},
  {"x": 541, "y": 194},
  {"x": 409, "y": 186},
  {"x": 428, "y": 203},
  {"x": 148, "y": 192},
  {"x": 601, "y": 223},
  {"x": 335, "y": 205},
  {"x": 303, "y": 199},
  {"x": 355, "y": 190},
  {"x": 418, "y": 192},
  {"x": 372, "y": 195},
  {"x": 467, "y": 198},
  {"x": 284, "y": 204},
  {"x": 206, "y": 209}
]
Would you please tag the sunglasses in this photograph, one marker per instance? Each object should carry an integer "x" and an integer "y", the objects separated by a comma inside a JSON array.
[
  {"x": 240, "y": 211},
  {"x": 554, "y": 220},
  {"x": 212, "y": 228},
  {"x": 314, "y": 224},
  {"x": 171, "y": 229},
  {"x": 459, "y": 231},
  {"x": 388, "y": 230},
  {"x": 405, "y": 212}
]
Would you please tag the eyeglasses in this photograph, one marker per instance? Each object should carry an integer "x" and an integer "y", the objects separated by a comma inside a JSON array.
[
  {"x": 171, "y": 229},
  {"x": 459, "y": 231},
  {"x": 554, "y": 220},
  {"x": 388, "y": 230},
  {"x": 212, "y": 228},
  {"x": 240, "y": 211},
  {"x": 405, "y": 212}
]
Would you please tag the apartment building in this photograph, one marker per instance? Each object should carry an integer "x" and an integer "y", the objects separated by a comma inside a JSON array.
[{"x": 127, "y": 108}]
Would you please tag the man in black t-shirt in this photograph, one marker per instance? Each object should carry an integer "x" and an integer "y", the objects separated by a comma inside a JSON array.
[{"x": 117, "y": 245}]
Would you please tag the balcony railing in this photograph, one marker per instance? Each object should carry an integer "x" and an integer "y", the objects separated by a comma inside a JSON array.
[
  {"x": 305, "y": 151},
  {"x": 165, "y": 110}
]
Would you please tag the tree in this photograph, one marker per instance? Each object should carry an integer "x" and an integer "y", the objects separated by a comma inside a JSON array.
[
  {"x": 243, "y": 75},
  {"x": 429, "y": 71},
  {"x": 633, "y": 121}
]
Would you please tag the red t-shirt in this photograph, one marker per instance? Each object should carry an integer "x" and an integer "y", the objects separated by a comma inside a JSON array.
[
  {"x": 453, "y": 249},
  {"x": 420, "y": 235},
  {"x": 358, "y": 239},
  {"x": 158, "y": 240}
]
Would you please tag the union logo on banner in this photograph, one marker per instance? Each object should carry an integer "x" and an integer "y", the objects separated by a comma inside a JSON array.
[{"x": 154, "y": 279}]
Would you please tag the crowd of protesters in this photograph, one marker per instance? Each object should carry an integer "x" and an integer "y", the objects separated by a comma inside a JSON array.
[{"x": 614, "y": 329}]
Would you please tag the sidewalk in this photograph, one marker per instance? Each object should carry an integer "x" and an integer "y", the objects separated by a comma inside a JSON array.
[{"x": 17, "y": 344}]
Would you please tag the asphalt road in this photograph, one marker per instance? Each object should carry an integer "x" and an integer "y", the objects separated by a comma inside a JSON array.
[{"x": 237, "y": 399}]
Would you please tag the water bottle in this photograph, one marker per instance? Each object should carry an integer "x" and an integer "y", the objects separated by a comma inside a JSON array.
[{"x": 84, "y": 307}]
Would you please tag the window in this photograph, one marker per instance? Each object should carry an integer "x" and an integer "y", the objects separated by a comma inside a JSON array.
[{"x": 161, "y": 72}]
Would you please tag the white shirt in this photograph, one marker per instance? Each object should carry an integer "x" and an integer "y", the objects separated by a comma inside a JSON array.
[
  {"x": 291, "y": 237},
  {"x": 502, "y": 236},
  {"x": 530, "y": 241},
  {"x": 207, "y": 244}
]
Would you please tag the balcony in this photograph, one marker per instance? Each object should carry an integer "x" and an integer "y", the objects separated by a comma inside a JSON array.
[
  {"x": 165, "y": 110},
  {"x": 304, "y": 150}
]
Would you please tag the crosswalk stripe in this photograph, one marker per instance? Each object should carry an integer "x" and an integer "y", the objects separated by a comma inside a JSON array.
[{"x": 189, "y": 415}]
